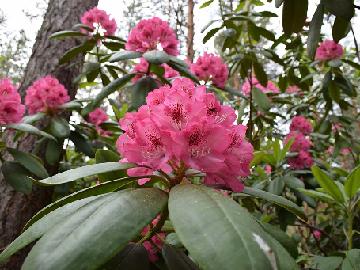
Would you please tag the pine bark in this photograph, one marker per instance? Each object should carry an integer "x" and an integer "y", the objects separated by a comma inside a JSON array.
[
  {"x": 191, "y": 32},
  {"x": 17, "y": 208}
]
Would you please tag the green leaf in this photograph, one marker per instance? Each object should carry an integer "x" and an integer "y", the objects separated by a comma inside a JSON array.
[
  {"x": 59, "y": 127},
  {"x": 261, "y": 99},
  {"x": 72, "y": 53},
  {"x": 278, "y": 200},
  {"x": 210, "y": 34},
  {"x": 30, "y": 129},
  {"x": 351, "y": 63},
  {"x": 82, "y": 144},
  {"x": 352, "y": 260},
  {"x": 99, "y": 189},
  {"x": 286, "y": 241},
  {"x": 176, "y": 259},
  {"x": 206, "y": 4},
  {"x": 39, "y": 228},
  {"x": 29, "y": 119},
  {"x": 344, "y": 8},
  {"x": 326, "y": 263},
  {"x": 327, "y": 183},
  {"x": 294, "y": 15},
  {"x": 276, "y": 186},
  {"x": 182, "y": 69},
  {"x": 222, "y": 235},
  {"x": 315, "y": 30},
  {"x": 156, "y": 57},
  {"x": 97, "y": 231},
  {"x": 260, "y": 73},
  {"x": 109, "y": 89},
  {"x": 133, "y": 257},
  {"x": 17, "y": 176},
  {"x": 317, "y": 195},
  {"x": 53, "y": 152},
  {"x": 124, "y": 55},
  {"x": 352, "y": 183},
  {"x": 108, "y": 156},
  {"x": 71, "y": 105},
  {"x": 293, "y": 182},
  {"x": 30, "y": 162},
  {"x": 85, "y": 171},
  {"x": 66, "y": 33},
  {"x": 141, "y": 89},
  {"x": 340, "y": 29}
]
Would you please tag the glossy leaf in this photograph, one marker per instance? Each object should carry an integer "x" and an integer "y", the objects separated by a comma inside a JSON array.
[
  {"x": 314, "y": 30},
  {"x": 176, "y": 259},
  {"x": 30, "y": 129},
  {"x": 59, "y": 127},
  {"x": 352, "y": 260},
  {"x": 124, "y": 55},
  {"x": 102, "y": 156},
  {"x": 327, "y": 183},
  {"x": 73, "y": 52},
  {"x": 352, "y": 183},
  {"x": 53, "y": 152},
  {"x": 30, "y": 162},
  {"x": 294, "y": 15},
  {"x": 95, "y": 232},
  {"x": 156, "y": 57},
  {"x": 141, "y": 89},
  {"x": 261, "y": 99},
  {"x": 81, "y": 144},
  {"x": 66, "y": 33},
  {"x": 17, "y": 176},
  {"x": 222, "y": 235},
  {"x": 317, "y": 195},
  {"x": 278, "y": 200},
  {"x": 344, "y": 8},
  {"x": 85, "y": 171}
]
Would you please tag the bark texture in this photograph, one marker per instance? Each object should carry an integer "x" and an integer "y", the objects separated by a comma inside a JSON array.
[
  {"x": 191, "y": 32},
  {"x": 17, "y": 208}
]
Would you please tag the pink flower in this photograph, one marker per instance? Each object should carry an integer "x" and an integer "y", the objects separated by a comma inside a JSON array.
[
  {"x": 345, "y": 151},
  {"x": 183, "y": 125},
  {"x": 300, "y": 141},
  {"x": 157, "y": 241},
  {"x": 96, "y": 18},
  {"x": 317, "y": 234},
  {"x": 141, "y": 69},
  {"x": 153, "y": 34},
  {"x": 98, "y": 116},
  {"x": 45, "y": 94},
  {"x": 267, "y": 169},
  {"x": 270, "y": 87},
  {"x": 302, "y": 161},
  {"x": 11, "y": 109},
  {"x": 336, "y": 127},
  {"x": 293, "y": 89},
  {"x": 329, "y": 50},
  {"x": 301, "y": 124},
  {"x": 211, "y": 67}
]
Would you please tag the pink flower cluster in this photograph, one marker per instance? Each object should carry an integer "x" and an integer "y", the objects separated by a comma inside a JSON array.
[
  {"x": 142, "y": 68},
  {"x": 157, "y": 241},
  {"x": 293, "y": 89},
  {"x": 183, "y": 127},
  {"x": 153, "y": 34},
  {"x": 46, "y": 93},
  {"x": 11, "y": 109},
  {"x": 270, "y": 87},
  {"x": 329, "y": 50},
  {"x": 99, "y": 18},
  {"x": 97, "y": 117},
  {"x": 300, "y": 127},
  {"x": 301, "y": 124},
  {"x": 211, "y": 67}
]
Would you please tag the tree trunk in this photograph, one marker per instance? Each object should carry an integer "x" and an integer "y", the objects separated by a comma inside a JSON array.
[
  {"x": 17, "y": 208},
  {"x": 191, "y": 32}
]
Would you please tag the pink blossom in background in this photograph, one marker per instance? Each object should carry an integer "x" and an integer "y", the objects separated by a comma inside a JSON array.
[
  {"x": 141, "y": 69},
  {"x": 293, "y": 89},
  {"x": 329, "y": 50},
  {"x": 153, "y": 34},
  {"x": 157, "y": 241},
  {"x": 300, "y": 141},
  {"x": 97, "y": 117},
  {"x": 211, "y": 67},
  {"x": 317, "y": 234},
  {"x": 182, "y": 124},
  {"x": 336, "y": 127},
  {"x": 11, "y": 109},
  {"x": 345, "y": 151},
  {"x": 270, "y": 87},
  {"x": 301, "y": 124},
  {"x": 46, "y": 93},
  {"x": 99, "y": 18},
  {"x": 302, "y": 161},
  {"x": 268, "y": 169}
]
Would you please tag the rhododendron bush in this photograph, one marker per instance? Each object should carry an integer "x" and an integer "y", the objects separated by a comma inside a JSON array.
[{"x": 247, "y": 158}]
